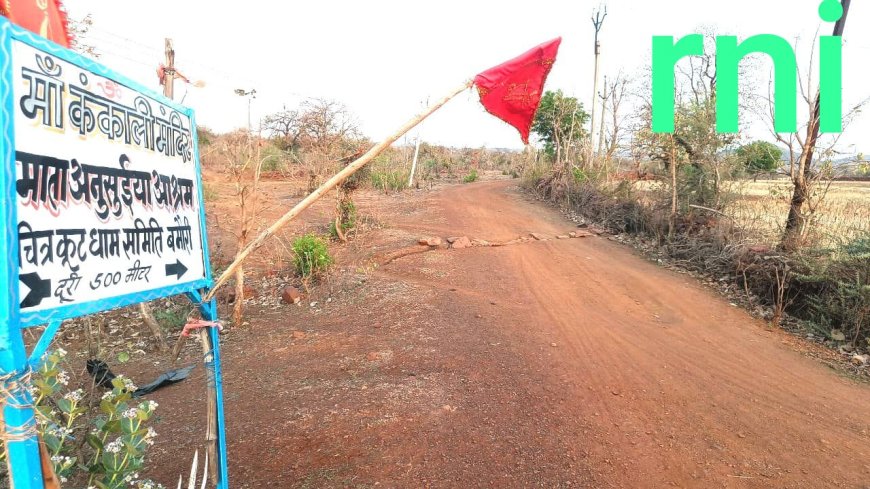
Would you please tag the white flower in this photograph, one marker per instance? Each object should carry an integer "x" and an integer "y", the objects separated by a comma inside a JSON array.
[
  {"x": 151, "y": 433},
  {"x": 107, "y": 395},
  {"x": 63, "y": 377},
  {"x": 131, "y": 413},
  {"x": 115, "y": 446},
  {"x": 56, "y": 458},
  {"x": 128, "y": 384},
  {"x": 63, "y": 480},
  {"x": 152, "y": 405},
  {"x": 75, "y": 396}
]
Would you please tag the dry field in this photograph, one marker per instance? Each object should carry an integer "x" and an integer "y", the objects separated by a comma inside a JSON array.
[
  {"x": 761, "y": 208},
  {"x": 843, "y": 214}
]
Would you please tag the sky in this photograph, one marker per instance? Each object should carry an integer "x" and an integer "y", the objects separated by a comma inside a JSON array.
[{"x": 384, "y": 58}]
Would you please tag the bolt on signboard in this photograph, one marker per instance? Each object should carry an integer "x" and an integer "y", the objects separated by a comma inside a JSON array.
[{"x": 101, "y": 207}]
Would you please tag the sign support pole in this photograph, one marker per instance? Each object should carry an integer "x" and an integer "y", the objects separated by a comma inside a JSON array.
[
  {"x": 22, "y": 447},
  {"x": 214, "y": 381}
]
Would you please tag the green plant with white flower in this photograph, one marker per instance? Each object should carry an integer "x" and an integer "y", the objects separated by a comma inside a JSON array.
[{"x": 98, "y": 440}]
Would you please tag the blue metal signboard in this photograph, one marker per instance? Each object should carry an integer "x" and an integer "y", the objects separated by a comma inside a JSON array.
[{"x": 101, "y": 208}]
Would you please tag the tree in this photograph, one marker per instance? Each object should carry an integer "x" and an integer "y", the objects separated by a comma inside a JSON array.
[
  {"x": 804, "y": 162},
  {"x": 316, "y": 134},
  {"x": 618, "y": 88},
  {"x": 559, "y": 123},
  {"x": 79, "y": 31},
  {"x": 759, "y": 157}
]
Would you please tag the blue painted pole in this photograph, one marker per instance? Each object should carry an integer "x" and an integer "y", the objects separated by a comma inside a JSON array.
[
  {"x": 25, "y": 470},
  {"x": 217, "y": 382},
  {"x": 22, "y": 448}
]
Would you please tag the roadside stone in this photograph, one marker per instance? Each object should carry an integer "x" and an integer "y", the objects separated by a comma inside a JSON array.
[
  {"x": 230, "y": 295},
  {"x": 538, "y": 236},
  {"x": 431, "y": 241},
  {"x": 861, "y": 360},
  {"x": 572, "y": 234},
  {"x": 563, "y": 236},
  {"x": 460, "y": 243},
  {"x": 291, "y": 295},
  {"x": 480, "y": 242},
  {"x": 838, "y": 335}
]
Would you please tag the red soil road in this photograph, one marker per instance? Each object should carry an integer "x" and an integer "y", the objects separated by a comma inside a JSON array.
[
  {"x": 439, "y": 370},
  {"x": 664, "y": 383}
]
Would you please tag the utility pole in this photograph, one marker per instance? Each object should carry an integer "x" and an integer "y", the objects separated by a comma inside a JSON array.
[
  {"x": 251, "y": 94},
  {"x": 169, "y": 71},
  {"x": 604, "y": 97},
  {"x": 416, "y": 153},
  {"x": 597, "y": 22}
]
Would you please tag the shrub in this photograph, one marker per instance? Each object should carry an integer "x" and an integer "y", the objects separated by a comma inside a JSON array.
[
  {"x": 387, "y": 180},
  {"x": 471, "y": 177},
  {"x": 347, "y": 213},
  {"x": 102, "y": 446},
  {"x": 209, "y": 193},
  {"x": 837, "y": 290},
  {"x": 311, "y": 255}
]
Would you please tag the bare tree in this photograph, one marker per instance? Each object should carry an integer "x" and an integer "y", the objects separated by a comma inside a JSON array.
[
  {"x": 317, "y": 134},
  {"x": 79, "y": 30},
  {"x": 244, "y": 165},
  {"x": 804, "y": 154},
  {"x": 618, "y": 89}
]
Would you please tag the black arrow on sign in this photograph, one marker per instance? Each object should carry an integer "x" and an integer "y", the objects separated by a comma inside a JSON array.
[
  {"x": 177, "y": 269},
  {"x": 39, "y": 289}
]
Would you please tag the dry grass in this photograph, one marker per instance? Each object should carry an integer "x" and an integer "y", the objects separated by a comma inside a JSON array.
[{"x": 761, "y": 208}]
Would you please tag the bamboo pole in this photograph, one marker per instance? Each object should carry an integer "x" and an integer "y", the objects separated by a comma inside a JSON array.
[
  {"x": 211, "y": 437},
  {"x": 329, "y": 185}
]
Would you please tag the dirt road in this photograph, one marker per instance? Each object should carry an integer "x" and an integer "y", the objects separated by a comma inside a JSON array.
[
  {"x": 558, "y": 363},
  {"x": 670, "y": 384}
]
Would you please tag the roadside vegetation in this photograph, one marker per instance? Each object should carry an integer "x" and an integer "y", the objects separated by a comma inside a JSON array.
[{"x": 788, "y": 223}]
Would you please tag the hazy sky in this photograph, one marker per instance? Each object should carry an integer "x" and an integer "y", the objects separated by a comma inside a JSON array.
[{"x": 383, "y": 58}]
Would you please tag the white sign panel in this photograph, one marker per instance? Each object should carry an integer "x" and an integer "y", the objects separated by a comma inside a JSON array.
[{"x": 107, "y": 187}]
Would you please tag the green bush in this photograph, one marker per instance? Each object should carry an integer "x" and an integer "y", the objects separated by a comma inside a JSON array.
[
  {"x": 311, "y": 255},
  {"x": 580, "y": 176},
  {"x": 471, "y": 177},
  {"x": 209, "y": 193},
  {"x": 387, "y": 180},
  {"x": 273, "y": 159},
  {"x": 347, "y": 211},
  {"x": 93, "y": 441},
  {"x": 837, "y": 290}
]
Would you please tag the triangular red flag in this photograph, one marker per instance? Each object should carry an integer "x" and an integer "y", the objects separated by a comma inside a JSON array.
[
  {"x": 44, "y": 17},
  {"x": 512, "y": 91}
]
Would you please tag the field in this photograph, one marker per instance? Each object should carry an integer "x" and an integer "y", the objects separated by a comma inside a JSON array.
[
  {"x": 760, "y": 209},
  {"x": 843, "y": 215}
]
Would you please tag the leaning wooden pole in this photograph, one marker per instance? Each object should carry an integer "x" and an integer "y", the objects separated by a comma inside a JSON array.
[{"x": 329, "y": 185}]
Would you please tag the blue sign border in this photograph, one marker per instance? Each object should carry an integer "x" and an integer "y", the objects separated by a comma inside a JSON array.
[
  {"x": 23, "y": 454},
  {"x": 29, "y": 319}
]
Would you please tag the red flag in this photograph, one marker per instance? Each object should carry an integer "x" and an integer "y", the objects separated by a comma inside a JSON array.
[
  {"x": 512, "y": 91},
  {"x": 44, "y": 17}
]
